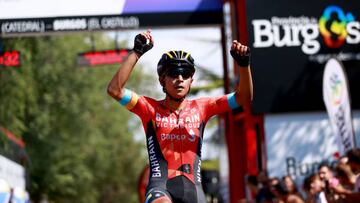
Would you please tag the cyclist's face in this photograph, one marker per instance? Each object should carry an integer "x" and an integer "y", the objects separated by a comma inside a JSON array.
[{"x": 178, "y": 82}]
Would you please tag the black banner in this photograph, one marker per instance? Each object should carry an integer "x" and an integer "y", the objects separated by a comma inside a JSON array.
[
  {"x": 291, "y": 42},
  {"x": 35, "y": 26}
]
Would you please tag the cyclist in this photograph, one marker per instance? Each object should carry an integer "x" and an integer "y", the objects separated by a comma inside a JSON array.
[{"x": 174, "y": 126}]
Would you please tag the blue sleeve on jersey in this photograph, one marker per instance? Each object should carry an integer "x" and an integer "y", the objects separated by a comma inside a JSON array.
[
  {"x": 126, "y": 98},
  {"x": 232, "y": 101}
]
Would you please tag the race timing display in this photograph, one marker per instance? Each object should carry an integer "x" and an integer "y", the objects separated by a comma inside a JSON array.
[
  {"x": 10, "y": 58},
  {"x": 94, "y": 58}
]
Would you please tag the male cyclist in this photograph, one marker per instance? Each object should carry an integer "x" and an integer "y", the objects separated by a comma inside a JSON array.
[{"x": 174, "y": 126}]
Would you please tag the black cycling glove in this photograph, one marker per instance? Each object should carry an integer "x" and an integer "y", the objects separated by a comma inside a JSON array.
[
  {"x": 242, "y": 61},
  {"x": 142, "y": 45}
]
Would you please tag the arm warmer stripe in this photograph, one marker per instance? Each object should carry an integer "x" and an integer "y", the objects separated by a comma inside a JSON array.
[{"x": 232, "y": 101}]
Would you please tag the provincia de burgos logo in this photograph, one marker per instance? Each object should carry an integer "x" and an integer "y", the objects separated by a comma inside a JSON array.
[{"x": 335, "y": 26}]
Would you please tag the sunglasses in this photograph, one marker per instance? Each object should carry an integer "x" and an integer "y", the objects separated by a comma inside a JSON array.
[{"x": 175, "y": 72}]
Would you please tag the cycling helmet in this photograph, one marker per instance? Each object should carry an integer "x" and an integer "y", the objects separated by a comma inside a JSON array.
[{"x": 173, "y": 59}]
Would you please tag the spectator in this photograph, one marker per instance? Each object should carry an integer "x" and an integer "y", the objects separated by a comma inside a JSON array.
[
  {"x": 353, "y": 156},
  {"x": 274, "y": 181},
  {"x": 260, "y": 193},
  {"x": 314, "y": 188},
  {"x": 326, "y": 174},
  {"x": 290, "y": 184},
  {"x": 309, "y": 198},
  {"x": 283, "y": 194},
  {"x": 330, "y": 181},
  {"x": 337, "y": 193},
  {"x": 264, "y": 195},
  {"x": 345, "y": 176},
  {"x": 252, "y": 189},
  {"x": 354, "y": 162}
]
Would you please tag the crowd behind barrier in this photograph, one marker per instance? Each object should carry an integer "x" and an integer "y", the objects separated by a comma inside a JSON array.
[{"x": 329, "y": 184}]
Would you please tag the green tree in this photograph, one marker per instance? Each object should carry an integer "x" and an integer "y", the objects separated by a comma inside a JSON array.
[{"x": 79, "y": 140}]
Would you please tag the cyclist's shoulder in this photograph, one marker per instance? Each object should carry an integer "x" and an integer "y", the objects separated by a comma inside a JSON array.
[
  {"x": 201, "y": 102},
  {"x": 141, "y": 98},
  {"x": 152, "y": 101}
]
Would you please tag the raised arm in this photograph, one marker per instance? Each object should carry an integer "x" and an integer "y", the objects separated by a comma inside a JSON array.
[
  {"x": 143, "y": 42},
  {"x": 244, "y": 89}
]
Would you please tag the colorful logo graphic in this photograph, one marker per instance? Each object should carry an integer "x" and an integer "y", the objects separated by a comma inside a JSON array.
[
  {"x": 332, "y": 26},
  {"x": 336, "y": 89}
]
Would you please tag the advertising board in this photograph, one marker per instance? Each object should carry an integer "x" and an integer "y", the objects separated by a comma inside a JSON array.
[{"x": 291, "y": 42}]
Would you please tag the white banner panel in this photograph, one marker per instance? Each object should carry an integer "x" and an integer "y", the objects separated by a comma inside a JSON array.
[
  {"x": 337, "y": 102},
  {"x": 12, "y": 9},
  {"x": 297, "y": 143},
  {"x": 12, "y": 172},
  {"x": 15, "y": 9}
]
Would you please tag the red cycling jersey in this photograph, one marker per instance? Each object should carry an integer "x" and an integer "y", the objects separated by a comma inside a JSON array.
[{"x": 174, "y": 138}]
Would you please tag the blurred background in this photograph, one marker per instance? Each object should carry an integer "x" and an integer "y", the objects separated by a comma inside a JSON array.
[{"x": 63, "y": 139}]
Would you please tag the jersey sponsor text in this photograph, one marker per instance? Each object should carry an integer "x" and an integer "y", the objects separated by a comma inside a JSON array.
[{"x": 154, "y": 163}]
